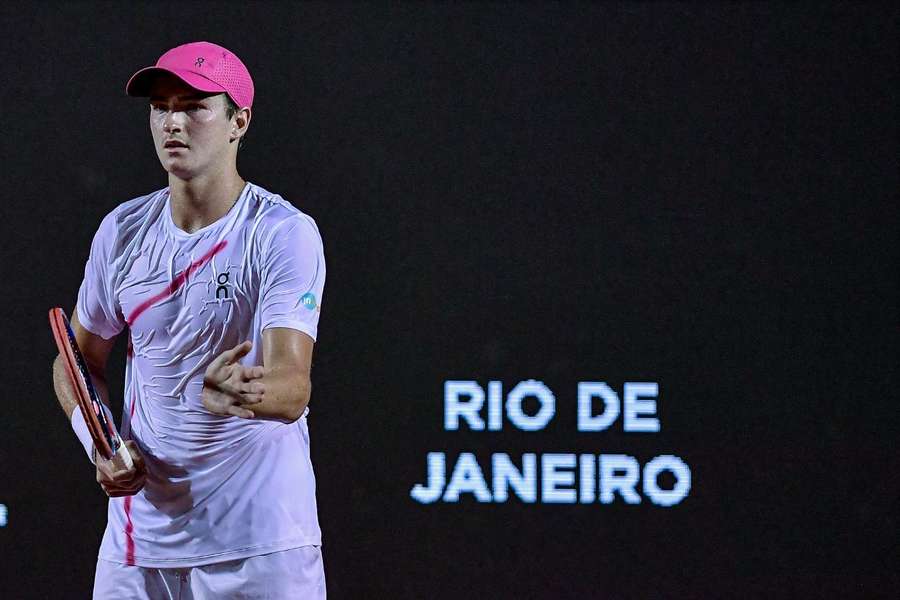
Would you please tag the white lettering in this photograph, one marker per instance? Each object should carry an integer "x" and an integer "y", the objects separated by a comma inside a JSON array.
[
  {"x": 634, "y": 407},
  {"x": 587, "y": 391},
  {"x": 610, "y": 481},
  {"x": 506, "y": 475},
  {"x": 495, "y": 406},
  {"x": 454, "y": 407},
  {"x": 436, "y": 478},
  {"x": 682, "y": 474},
  {"x": 514, "y": 405},
  {"x": 587, "y": 492},
  {"x": 467, "y": 479},
  {"x": 553, "y": 476}
]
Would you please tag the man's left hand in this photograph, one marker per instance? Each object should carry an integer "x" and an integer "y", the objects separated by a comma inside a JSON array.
[{"x": 229, "y": 388}]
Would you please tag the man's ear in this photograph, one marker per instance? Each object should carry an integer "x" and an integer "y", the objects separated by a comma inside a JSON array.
[{"x": 240, "y": 122}]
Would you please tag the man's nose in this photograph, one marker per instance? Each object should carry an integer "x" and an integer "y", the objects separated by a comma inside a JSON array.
[{"x": 174, "y": 121}]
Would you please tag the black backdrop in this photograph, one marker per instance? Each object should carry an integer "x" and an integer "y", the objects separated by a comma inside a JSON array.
[{"x": 702, "y": 196}]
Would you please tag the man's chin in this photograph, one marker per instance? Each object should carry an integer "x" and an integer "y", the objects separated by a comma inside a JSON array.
[{"x": 178, "y": 170}]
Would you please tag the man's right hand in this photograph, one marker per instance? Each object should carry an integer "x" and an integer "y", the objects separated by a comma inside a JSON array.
[{"x": 122, "y": 482}]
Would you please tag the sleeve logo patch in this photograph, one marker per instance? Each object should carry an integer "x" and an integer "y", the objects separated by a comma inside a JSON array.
[{"x": 308, "y": 300}]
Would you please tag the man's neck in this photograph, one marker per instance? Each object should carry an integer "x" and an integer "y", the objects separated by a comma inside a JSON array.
[{"x": 203, "y": 200}]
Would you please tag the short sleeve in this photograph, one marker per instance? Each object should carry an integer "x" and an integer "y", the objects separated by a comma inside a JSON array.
[
  {"x": 292, "y": 279},
  {"x": 98, "y": 310}
]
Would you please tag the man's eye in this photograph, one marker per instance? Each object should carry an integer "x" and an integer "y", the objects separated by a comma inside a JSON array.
[{"x": 157, "y": 108}]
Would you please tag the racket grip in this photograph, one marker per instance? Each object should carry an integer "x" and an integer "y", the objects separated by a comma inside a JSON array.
[{"x": 122, "y": 458}]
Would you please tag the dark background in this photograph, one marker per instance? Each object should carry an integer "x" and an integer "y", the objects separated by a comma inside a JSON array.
[{"x": 704, "y": 196}]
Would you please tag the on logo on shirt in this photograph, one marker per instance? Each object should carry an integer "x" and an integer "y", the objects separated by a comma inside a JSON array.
[{"x": 223, "y": 290}]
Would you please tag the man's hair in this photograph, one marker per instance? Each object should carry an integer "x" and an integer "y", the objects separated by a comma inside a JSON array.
[
  {"x": 230, "y": 109},
  {"x": 230, "y": 106}
]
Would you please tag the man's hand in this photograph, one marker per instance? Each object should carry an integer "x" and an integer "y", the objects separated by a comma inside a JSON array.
[
  {"x": 122, "y": 482},
  {"x": 228, "y": 386}
]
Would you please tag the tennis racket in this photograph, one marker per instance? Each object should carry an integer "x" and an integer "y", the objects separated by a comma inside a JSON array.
[{"x": 106, "y": 438}]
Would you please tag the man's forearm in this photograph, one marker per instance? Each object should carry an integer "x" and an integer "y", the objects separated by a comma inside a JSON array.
[
  {"x": 66, "y": 393},
  {"x": 286, "y": 395}
]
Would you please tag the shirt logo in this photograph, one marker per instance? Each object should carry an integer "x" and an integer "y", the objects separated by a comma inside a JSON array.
[
  {"x": 308, "y": 300},
  {"x": 222, "y": 280}
]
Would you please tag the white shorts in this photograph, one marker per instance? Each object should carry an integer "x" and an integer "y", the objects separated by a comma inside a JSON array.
[{"x": 289, "y": 574}]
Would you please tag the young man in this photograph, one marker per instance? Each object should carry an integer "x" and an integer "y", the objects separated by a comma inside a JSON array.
[{"x": 219, "y": 283}]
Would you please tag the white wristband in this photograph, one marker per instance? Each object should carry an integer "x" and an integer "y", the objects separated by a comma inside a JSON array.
[{"x": 81, "y": 429}]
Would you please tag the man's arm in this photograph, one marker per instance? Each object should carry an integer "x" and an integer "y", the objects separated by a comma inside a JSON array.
[
  {"x": 95, "y": 351},
  {"x": 286, "y": 384},
  {"x": 279, "y": 389}
]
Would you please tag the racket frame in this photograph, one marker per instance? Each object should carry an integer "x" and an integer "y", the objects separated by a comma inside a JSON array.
[{"x": 106, "y": 438}]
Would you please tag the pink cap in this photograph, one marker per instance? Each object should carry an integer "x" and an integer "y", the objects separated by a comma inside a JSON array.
[{"x": 203, "y": 66}]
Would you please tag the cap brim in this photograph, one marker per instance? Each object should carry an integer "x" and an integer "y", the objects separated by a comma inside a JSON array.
[{"x": 140, "y": 83}]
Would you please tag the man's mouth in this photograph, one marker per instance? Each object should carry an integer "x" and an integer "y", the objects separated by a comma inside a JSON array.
[{"x": 174, "y": 144}]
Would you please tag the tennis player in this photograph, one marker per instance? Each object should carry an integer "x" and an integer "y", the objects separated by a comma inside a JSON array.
[{"x": 218, "y": 285}]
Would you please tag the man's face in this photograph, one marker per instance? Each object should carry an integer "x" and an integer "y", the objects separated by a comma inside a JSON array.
[{"x": 191, "y": 130}]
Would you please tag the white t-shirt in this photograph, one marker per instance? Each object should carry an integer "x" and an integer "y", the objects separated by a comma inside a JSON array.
[{"x": 218, "y": 488}]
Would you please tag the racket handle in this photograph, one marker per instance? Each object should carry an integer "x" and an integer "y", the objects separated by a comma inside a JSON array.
[{"x": 122, "y": 458}]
